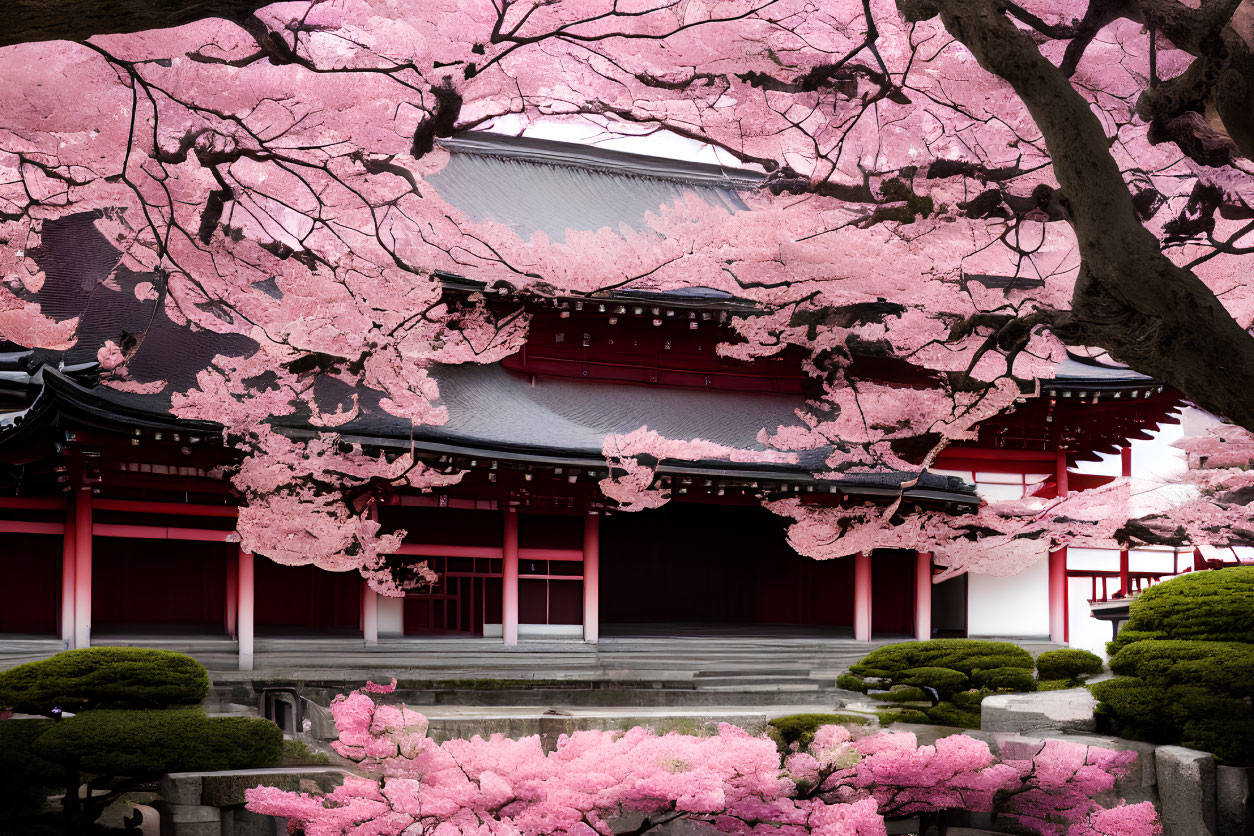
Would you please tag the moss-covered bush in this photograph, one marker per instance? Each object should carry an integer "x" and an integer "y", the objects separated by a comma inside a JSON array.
[
  {"x": 946, "y": 681},
  {"x": 902, "y": 715},
  {"x": 1054, "y": 684},
  {"x": 137, "y": 743},
  {"x": 970, "y": 700},
  {"x": 1068, "y": 664},
  {"x": 1225, "y": 668},
  {"x": 104, "y": 677},
  {"x": 903, "y": 693},
  {"x": 800, "y": 728},
  {"x": 1004, "y": 679},
  {"x": 850, "y": 682},
  {"x": 948, "y": 714},
  {"x": 1215, "y": 606},
  {"x": 1185, "y": 714},
  {"x": 964, "y": 655}
]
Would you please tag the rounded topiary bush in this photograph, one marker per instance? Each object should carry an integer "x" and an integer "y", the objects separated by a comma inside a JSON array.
[
  {"x": 138, "y": 743},
  {"x": 800, "y": 728},
  {"x": 1005, "y": 679},
  {"x": 948, "y": 714},
  {"x": 964, "y": 655},
  {"x": 1221, "y": 667},
  {"x": 946, "y": 681},
  {"x": 1215, "y": 605},
  {"x": 849, "y": 682},
  {"x": 903, "y": 693},
  {"x": 104, "y": 677},
  {"x": 1189, "y": 715},
  {"x": 1068, "y": 663}
]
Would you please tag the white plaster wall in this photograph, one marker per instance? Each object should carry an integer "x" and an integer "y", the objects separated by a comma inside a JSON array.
[
  {"x": 1083, "y": 630},
  {"x": 391, "y": 616},
  {"x": 1016, "y": 606}
]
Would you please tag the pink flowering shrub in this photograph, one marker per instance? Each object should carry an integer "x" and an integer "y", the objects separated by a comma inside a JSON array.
[{"x": 732, "y": 782}]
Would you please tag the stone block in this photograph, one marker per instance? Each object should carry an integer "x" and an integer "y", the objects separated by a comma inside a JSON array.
[
  {"x": 226, "y": 788},
  {"x": 1136, "y": 786},
  {"x": 1234, "y": 801},
  {"x": 1186, "y": 789},
  {"x": 190, "y": 820},
  {"x": 181, "y": 788},
  {"x": 321, "y": 723},
  {"x": 237, "y": 821},
  {"x": 1066, "y": 711}
]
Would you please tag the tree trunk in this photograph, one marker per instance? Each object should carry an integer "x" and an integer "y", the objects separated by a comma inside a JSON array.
[{"x": 78, "y": 20}]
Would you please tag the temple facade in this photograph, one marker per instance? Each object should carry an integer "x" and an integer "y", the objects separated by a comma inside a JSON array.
[{"x": 117, "y": 519}]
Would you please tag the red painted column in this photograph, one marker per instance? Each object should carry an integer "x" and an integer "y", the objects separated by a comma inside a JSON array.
[
  {"x": 509, "y": 578},
  {"x": 232, "y": 593},
  {"x": 922, "y": 595},
  {"x": 68, "y": 564},
  {"x": 1125, "y": 578},
  {"x": 862, "y": 597},
  {"x": 82, "y": 567},
  {"x": 591, "y": 578},
  {"x": 245, "y": 610},
  {"x": 1058, "y": 566}
]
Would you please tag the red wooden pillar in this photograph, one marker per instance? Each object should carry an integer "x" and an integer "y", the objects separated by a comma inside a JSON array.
[
  {"x": 862, "y": 597},
  {"x": 509, "y": 580},
  {"x": 245, "y": 610},
  {"x": 68, "y": 564},
  {"x": 1058, "y": 566},
  {"x": 1125, "y": 578},
  {"x": 591, "y": 578},
  {"x": 82, "y": 566},
  {"x": 232, "y": 593},
  {"x": 923, "y": 595}
]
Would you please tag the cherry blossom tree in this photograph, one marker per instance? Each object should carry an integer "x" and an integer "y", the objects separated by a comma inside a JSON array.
[
  {"x": 638, "y": 782},
  {"x": 963, "y": 186}
]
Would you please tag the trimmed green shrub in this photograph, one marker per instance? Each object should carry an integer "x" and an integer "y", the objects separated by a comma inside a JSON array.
[
  {"x": 948, "y": 714},
  {"x": 970, "y": 700},
  {"x": 965, "y": 655},
  {"x": 1189, "y": 715},
  {"x": 1214, "y": 606},
  {"x": 1054, "y": 684},
  {"x": 104, "y": 677},
  {"x": 1225, "y": 668},
  {"x": 904, "y": 693},
  {"x": 800, "y": 728},
  {"x": 902, "y": 715},
  {"x": 851, "y": 683},
  {"x": 1068, "y": 663},
  {"x": 138, "y": 743},
  {"x": 946, "y": 681},
  {"x": 25, "y": 778},
  {"x": 1005, "y": 679}
]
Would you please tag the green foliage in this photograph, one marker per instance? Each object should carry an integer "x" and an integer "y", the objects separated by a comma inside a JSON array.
[
  {"x": 902, "y": 715},
  {"x": 25, "y": 779},
  {"x": 1068, "y": 663},
  {"x": 1054, "y": 684},
  {"x": 136, "y": 743},
  {"x": 104, "y": 677},
  {"x": 800, "y": 728},
  {"x": 1005, "y": 679},
  {"x": 296, "y": 752},
  {"x": 904, "y": 693},
  {"x": 946, "y": 681},
  {"x": 970, "y": 700},
  {"x": 851, "y": 683},
  {"x": 1188, "y": 715},
  {"x": 1214, "y": 606},
  {"x": 948, "y": 714},
  {"x": 1225, "y": 668},
  {"x": 965, "y": 655}
]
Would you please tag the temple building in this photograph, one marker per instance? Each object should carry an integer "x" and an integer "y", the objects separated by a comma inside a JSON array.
[{"x": 117, "y": 518}]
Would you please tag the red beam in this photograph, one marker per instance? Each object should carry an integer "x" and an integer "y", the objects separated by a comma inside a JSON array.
[
  {"x": 28, "y": 527},
  {"x": 1000, "y": 455},
  {"x": 158, "y": 532},
  {"x": 429, "y": 550},
  {"x": 34, "y": 503},
  {"x": 550, "y": 554},
  {"x": 187, "y": 510}
]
